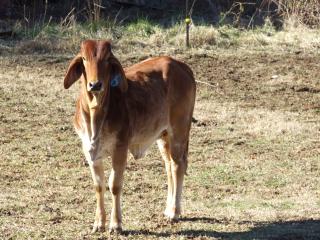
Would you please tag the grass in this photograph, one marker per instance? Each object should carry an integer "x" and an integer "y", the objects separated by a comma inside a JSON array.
[
  {"x": 167, "y": 38},
  {"x": 306, "y": 12},
  {"x": 254, "y": 152}
]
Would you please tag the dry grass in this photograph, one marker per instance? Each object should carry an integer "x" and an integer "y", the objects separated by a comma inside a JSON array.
[
  {"x": 306, "y": 12},
  {"x": 254, "y": 153},
  {"x": 155, "y": 38}
]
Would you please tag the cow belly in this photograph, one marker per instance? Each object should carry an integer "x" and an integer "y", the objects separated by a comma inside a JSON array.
[
  {"x": 140, "y": 144},
  {"x": 139, "y": 150}
]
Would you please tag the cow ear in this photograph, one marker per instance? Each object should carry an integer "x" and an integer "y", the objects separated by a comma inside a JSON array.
[
  {"x": 118, "y": 70},
  {"x": 74, "y": 72}
]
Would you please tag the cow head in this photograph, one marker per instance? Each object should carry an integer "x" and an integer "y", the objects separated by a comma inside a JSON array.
[{"x": 100, "y": 71}]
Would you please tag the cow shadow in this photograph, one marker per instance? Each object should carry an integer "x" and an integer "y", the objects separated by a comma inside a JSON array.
[{"x": 281, "y": 230}]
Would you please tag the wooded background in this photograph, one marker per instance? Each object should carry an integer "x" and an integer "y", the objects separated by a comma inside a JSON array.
[
  {"x": 35, "y": 9},
  {"x": 236, "y": 12}
]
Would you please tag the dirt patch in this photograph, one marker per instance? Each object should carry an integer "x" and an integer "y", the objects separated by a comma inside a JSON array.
[{"x": 254, "y": 154}]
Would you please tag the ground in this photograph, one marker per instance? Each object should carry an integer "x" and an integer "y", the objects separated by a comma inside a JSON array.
[{"x": 254, "y": 169}]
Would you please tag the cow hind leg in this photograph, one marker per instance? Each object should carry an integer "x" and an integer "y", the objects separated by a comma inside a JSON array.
[
  {"x": 178, "y": 170},
  {"x": 174, "y": 150},
  {"x": 164, "y": 148}
]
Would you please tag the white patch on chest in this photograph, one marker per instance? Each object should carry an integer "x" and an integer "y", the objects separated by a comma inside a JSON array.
[
  {"x": 101, "y": 147},
  {"x": 83, "y": 133}
]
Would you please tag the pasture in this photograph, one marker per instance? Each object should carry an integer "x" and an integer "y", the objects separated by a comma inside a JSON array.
[{"x": 254, "y": 155}]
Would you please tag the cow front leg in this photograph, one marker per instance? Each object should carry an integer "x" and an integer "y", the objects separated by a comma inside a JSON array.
[
  {"x": 119, "y": 160},
  {"x": 98, "y": 177}
]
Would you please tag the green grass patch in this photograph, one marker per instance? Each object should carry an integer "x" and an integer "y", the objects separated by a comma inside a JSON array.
[
  {"x": 276, "y": 182},
  {"x": 66, "y": 36},
  {"x": 141, "y": 28}
]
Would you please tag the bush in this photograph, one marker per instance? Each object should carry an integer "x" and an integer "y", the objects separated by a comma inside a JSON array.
[{"x": 306, "y": 12}]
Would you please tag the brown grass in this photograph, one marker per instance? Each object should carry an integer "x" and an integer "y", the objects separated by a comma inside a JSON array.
[
  {"x": 306, "y": 12},
  {"x": 254, "y": 153},
  {"x": 65, "y": 37}
]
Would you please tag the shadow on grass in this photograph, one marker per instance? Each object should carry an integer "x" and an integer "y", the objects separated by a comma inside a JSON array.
[{"x": 290, "y": 230}]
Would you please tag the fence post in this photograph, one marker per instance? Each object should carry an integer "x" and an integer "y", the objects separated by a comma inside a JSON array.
[{"x": 187, "y": 21}]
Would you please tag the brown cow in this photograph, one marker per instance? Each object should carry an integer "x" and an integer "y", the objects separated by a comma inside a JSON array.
[{"x": 129, "y": 109}]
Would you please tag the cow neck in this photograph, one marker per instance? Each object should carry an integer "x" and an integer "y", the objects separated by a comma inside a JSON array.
[{"x": 95, "y": 118}]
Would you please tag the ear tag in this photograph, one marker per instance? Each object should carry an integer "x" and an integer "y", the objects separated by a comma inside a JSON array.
[{"x": 115, "y": 81}]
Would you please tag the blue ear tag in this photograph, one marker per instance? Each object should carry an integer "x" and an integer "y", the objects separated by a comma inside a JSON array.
[{"x": 115, "y": 81}]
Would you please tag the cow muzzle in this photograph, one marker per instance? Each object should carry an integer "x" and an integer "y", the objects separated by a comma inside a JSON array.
[{"x": 95, "y": 86}]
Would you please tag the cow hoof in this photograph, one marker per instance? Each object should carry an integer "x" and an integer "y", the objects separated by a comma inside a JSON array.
[
  {"x": 172, "y": 219},
  {"x": 115, "y": 230},
  {"x": 97, "y": 228},
  {"x": 85, "y": 163},
  {"x": 171, "y": 215}
]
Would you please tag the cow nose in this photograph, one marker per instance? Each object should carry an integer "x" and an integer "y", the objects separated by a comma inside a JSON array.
[{"x": 95, "y": 86}]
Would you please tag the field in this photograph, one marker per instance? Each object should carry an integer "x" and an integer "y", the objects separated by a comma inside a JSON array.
[{"x": 254, "y": 162}]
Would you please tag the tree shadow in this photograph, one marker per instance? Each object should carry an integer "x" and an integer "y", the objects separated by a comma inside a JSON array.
[{"x": 281, "y": 230}]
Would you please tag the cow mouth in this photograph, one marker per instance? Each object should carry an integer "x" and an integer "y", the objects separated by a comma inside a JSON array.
[{"x": 96, "y": 99}]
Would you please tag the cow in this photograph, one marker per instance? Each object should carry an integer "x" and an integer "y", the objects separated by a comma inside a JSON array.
[{"x": 121, "y": 110}]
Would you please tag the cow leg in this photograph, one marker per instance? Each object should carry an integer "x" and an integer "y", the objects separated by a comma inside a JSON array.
[
  {"x": 163, "y": 145},
  {"x": 178, "y": 170},
  {"x": 98, "y": 177},
  {"x": 178, "y": 138},
  {"x": 119, "y": 160}
]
